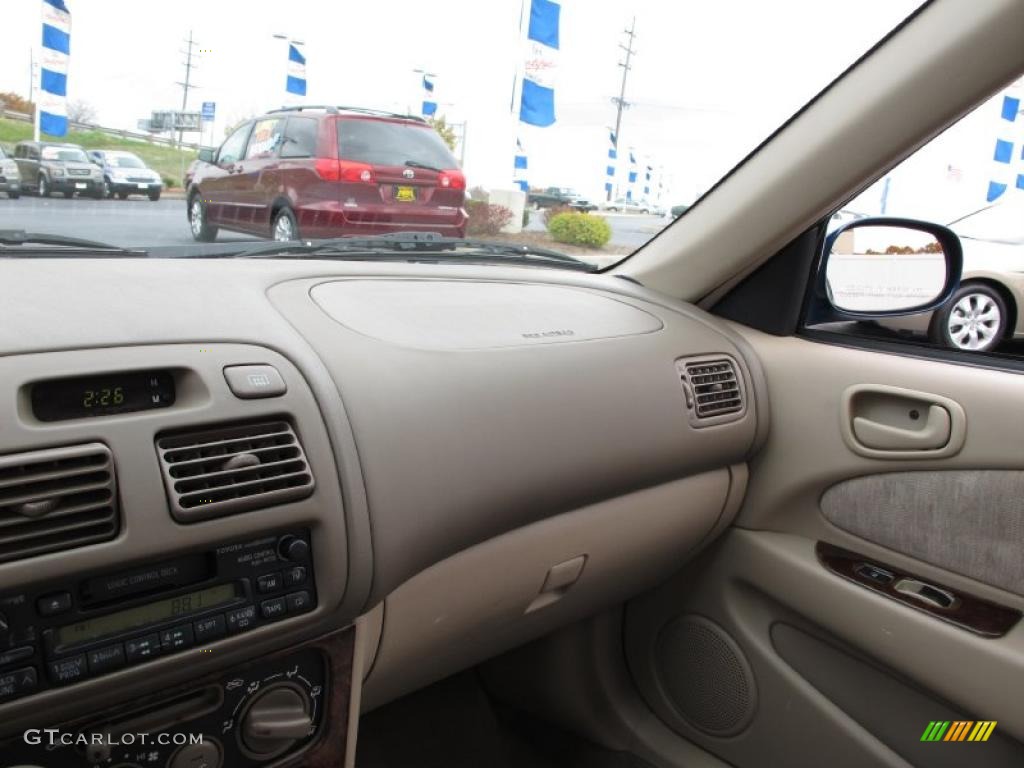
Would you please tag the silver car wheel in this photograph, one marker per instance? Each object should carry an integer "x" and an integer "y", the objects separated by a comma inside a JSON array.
[
  {"x": 196, "y": 217},
  {"x": 975, "y": 322},
  {"x": 283, "y": 229}
]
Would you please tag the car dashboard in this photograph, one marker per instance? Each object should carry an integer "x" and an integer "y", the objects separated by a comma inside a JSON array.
[{"x": 251, "y": 498}]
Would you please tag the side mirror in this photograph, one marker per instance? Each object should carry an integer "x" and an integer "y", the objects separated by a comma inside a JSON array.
[
  {"x": 207, "y": 155},
  {"x": 886, "y": 267}
]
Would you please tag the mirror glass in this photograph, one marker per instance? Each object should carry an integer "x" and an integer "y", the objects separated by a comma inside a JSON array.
[
  {"x": 885, "y": 269},
  {"x": 206, "y": 155}
]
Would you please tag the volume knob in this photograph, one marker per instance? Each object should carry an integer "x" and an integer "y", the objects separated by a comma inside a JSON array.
[{"x": 293, "y": 548}]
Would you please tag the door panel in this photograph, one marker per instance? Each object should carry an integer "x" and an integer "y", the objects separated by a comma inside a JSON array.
[{"x": 841, "y": 665}]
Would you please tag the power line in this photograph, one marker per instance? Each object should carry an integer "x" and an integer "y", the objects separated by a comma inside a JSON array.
[{"x": 620, "y": 101}]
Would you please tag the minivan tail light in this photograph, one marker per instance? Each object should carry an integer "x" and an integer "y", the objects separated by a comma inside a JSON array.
[
  {"x": 351, "y": 171},
  {"x": 451, "y": 180},
  {"x": 327, "y": 169}
]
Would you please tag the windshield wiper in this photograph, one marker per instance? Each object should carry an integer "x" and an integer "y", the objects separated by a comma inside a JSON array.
[
  {"x": 424, "y": 166},
  {"x": 75, "y": 245},
  {"x": 414, "y": 243}
]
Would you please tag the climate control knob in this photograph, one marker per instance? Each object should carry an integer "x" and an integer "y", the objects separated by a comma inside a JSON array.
[
  {"x": 293, "y": 548},
  {"x": 276, "y": 720}
]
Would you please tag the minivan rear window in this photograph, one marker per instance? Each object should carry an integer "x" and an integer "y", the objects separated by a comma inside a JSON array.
[{"x": 380, "y": 142}]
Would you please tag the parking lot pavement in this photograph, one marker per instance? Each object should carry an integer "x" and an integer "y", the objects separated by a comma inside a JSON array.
[{"x": 134, "y": 222}]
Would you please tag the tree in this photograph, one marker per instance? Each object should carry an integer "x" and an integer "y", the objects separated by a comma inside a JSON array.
[
  {"x": 80, "y": 111},
  {"x": 445, "y": 131},
  {"x": 16, "y": 103}
]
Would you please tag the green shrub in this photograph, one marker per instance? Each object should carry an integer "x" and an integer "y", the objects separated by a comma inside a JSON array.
[
  {"x": 550, "y": 213},
  {"x": 526, "y": 217},
  {"x": 486, "y": 219},
  {"x": 169, "y": 182},
  {"x": 580, "y": 229}
]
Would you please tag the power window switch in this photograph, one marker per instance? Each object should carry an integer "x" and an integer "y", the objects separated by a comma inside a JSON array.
[{"x": 873, "y": 573}]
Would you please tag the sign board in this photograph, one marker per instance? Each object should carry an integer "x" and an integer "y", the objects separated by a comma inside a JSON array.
[
  {"x": 175, "y": 121},
  {"x": 209, "y": 110}
]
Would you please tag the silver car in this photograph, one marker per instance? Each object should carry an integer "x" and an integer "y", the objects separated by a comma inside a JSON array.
[
  {"x": 10, "y": 178},
  {"x": 985, "y": 310}
]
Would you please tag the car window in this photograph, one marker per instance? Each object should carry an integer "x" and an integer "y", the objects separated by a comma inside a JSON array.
[
  {"x": 265, "y": 139},
  {"x": 300, "y": 137},
  {"x": 970, "y": 178},
  {"x": 231, "y": 150},
  {"x": 64, "y": 154},
  {"x": 383, "y": 142},
  {"x": 126, "y": 161}
]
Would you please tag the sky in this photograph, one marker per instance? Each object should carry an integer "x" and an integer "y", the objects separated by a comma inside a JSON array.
[{"x": 711, "y": 79}]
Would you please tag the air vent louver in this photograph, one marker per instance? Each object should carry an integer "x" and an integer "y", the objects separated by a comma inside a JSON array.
[
  {"x": 224, "y": 470},
  {"x": 56, "y": 499},
  {"x": 714, "y": 393}
]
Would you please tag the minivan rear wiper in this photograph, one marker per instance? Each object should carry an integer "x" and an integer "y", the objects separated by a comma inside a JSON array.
[
  {"x": 75, "y": 245},
  {"x": 424, "y": 166},
  {"x": 414, "y": 243}
]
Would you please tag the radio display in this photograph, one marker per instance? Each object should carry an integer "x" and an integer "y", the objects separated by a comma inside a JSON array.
[
  {"x": 144, "y": 615},
  {"x": 102, "y": 395}
]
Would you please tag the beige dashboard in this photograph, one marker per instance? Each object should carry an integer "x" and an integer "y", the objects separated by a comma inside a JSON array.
[{"x": 494, "y": 450}]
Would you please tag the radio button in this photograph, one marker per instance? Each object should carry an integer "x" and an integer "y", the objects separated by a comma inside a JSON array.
[
  {"x": 273, "y": 609},
  {"x": 51, "y": 605},
  {"x": 269, "y": 583},
  {"x": 241, "y": 619},
  {"x": 294, "y": 576},
  {"x": 16, "y": 683},
  {"x": 69, "y": 670},
  {"x": 106, "y": 659},
  {"x": 142, "y": 648},
  {"x": 299, "y": 602},
  {"x": 176, "y": 638},
  {"x": 210, "y": 629},
  {"x": 15, "y": 655}
]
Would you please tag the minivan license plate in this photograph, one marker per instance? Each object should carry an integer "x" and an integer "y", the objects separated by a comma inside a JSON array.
[
  {"x": 81, "y": 185},
  {"x": 405, "y": 194}
]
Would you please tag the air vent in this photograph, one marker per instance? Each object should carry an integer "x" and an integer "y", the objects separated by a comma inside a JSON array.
[
  {"x": 224, "y": 470},
  {"x": 56, "y": 499},
  {"x": 714, "y": 393}
]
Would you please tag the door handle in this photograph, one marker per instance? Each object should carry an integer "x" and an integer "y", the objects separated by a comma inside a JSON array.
[
  {"x": 933, "y": 434},
  {"x": 926, "y": 593},
  {"x": 885, "y": 422}
]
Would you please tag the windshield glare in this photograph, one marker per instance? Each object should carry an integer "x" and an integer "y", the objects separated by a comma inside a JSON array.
[{"x": 514, "y": 121}]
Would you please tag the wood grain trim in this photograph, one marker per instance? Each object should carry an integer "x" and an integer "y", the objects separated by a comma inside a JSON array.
[{"x": 971, "y": 613}]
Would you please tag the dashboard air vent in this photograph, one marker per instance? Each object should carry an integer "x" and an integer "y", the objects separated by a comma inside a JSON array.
[
  {"x": 224, "y": 470},
  {"x": 56, "y": 499},
  {"x": 714, "y": 393}
]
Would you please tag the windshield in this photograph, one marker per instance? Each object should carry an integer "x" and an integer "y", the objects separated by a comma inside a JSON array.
[
  {"x": 125, "y": 161},
  {"x": 1001, "y": 223},
  {"x": 581, "y": 127},
  {"x": 64, "y": 154}
]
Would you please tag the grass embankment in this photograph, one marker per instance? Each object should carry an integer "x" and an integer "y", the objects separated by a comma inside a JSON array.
[{"x": 167, "y": 161}]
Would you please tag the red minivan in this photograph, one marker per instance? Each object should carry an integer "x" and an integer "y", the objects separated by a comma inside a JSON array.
[{"x": 317, "y": 172}]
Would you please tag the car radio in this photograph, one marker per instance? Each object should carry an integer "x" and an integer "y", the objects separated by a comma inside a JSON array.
[{"x": 60, "y": 633}]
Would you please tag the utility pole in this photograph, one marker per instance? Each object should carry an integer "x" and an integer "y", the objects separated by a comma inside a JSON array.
[
  {"x": 185, "y": 86},
  {"x": 620, "y": 101}
]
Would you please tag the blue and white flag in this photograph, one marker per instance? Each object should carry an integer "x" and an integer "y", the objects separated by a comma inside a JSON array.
[
  {"x": 537, "y": 101},
  {"x": 609, "y": 170},
  {"x": 53, "y": 72},
  {"x": 296, "y": 82},
  {"x": 521, "y": 165},
  {"x": 647, "y": 182},
  {"x": 1008, "y": 157},
  {"x": 429, "y": 100}
]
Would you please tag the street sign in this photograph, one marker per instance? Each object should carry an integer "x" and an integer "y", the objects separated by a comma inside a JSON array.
[
  {"x": 209, "y": 109},
  {"x": 175, "y": 121}
]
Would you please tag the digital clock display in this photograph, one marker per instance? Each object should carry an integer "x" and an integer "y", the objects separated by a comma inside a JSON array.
[
  {"x": 102, "y": 395},
  {"x": 153, "y": 613}
]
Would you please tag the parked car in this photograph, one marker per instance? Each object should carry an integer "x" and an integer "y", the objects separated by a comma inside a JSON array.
[
  {"x": 10, "y": 178},
  {"x": 48, "y": 167},
  {"x": 986, "y": 309},
  {"x": 317, "y": 172},
  {"x": 125, "y": 174},
  {"x": 625, "y": 205},
  {"x": 554, "y": 197}
]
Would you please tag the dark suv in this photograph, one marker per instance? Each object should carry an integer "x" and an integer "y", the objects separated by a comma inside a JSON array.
[
  {"x": 48, "y": 167},
  {"x": 315, "y": 172}
]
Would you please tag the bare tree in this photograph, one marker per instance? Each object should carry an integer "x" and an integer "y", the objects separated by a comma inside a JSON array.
[{"x": 81, "y": 112}]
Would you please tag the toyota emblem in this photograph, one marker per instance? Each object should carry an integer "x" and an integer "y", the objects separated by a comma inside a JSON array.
[{"x": 409, "y": 173}]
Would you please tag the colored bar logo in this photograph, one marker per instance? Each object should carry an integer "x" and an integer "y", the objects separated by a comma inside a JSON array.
[{"x": 958, "y": 730}]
